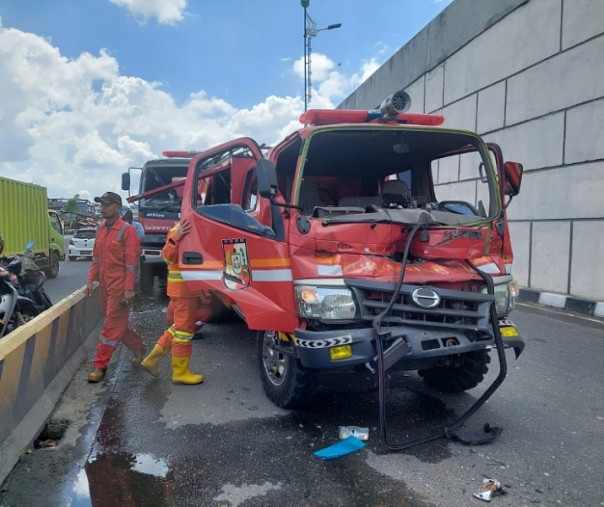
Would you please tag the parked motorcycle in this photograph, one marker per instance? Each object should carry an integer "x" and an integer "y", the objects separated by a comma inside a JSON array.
[{"x": 22, "y": 295}]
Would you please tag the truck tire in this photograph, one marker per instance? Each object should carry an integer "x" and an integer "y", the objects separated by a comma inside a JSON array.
[
  {"x": 464, "y": 372},
  {"x": 54, "y": 263},
  {"x": 147, "y": 280},
  {"x": 286, "y": 382},
  {"x": 73, "y": 258}
]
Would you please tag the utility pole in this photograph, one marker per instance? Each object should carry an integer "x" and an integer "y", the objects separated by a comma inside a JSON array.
[{"x": 310, "y": 31}]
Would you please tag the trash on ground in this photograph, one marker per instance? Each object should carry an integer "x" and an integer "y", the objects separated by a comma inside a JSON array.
[
  {"x": 347, "y": 446},
  {"x": 489, "y": 488},
  {"x": 354, "y": 431}
]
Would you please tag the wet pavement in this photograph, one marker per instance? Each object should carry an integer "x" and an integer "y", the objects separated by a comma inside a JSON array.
[{"x": 135, "y": 440}]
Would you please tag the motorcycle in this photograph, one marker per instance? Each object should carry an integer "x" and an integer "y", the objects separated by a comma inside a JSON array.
[{"x": 22, "y": 295}]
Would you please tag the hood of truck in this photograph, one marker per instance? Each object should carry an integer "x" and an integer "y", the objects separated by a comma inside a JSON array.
[{"x": 373, "y": 248}]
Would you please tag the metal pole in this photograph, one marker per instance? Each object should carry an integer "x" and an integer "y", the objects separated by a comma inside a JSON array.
[{"x": 305, "y": 61}]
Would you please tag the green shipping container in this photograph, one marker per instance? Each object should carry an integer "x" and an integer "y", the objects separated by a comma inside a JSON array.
[{"x": 24, "y": 217}]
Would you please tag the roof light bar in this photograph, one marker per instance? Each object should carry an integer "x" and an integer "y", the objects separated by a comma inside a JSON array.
[
  {"x": 179, "y": 154},
  {"x": 332, "y": 116}
]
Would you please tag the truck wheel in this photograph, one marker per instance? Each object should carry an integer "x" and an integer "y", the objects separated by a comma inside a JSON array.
[
  {"x": 286, "y": 382},
  {"x": 462, "y": 372},
  {"x": 73, "y": 258},
  {"x": 147, "y": 279},
  {"x": 53, "y": 265}
]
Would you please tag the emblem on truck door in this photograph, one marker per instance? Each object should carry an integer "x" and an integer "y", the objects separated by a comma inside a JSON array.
[
  {"x": 425, "y": 297},
  {"x": 236, "y": 274}
]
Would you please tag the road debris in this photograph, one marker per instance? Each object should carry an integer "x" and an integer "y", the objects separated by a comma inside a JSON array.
[
  {"x": 489, "y": 488},
  {"x": 347, "y": 446},
  {"x": 354, "y": 431}
]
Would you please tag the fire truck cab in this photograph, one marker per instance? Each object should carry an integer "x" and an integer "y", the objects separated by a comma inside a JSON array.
[{"x": 364, "y": 240}]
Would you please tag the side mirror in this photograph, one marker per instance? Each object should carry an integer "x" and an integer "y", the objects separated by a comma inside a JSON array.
[
  {"x": 481, "y": 171},
  {"x": 512, "y": 178},
  {"x": 266, "y": 175},
  {"x": 125, "y": 181}
]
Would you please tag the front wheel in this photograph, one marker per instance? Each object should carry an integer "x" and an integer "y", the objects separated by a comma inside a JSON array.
[
  {"x": 22, "y": 315},
  {"x": 286, "y": 382},
  {"x": 53, "y": 265},
  {"x": 458, "y": 373}
]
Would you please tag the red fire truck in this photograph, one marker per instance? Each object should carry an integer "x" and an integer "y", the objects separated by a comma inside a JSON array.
[
  {"x": 159, "y": 196},
  {"x": 369, "y": 241}
]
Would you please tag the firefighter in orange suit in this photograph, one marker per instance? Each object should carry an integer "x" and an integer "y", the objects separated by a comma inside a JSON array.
[
  {"x": 114, "y": 261},
  {"x": 177, "y": 338}
]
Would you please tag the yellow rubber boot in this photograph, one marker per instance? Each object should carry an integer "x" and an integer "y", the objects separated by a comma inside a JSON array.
[
  {"x": 181, "y": 373},
  {"x": 151, "y": 362}
]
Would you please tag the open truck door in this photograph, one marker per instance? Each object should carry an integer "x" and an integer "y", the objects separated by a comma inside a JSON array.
[{"x": 236, "y": 246}]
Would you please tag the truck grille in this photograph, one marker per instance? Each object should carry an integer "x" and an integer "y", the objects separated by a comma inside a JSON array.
[{"x": 461, "y": 310}]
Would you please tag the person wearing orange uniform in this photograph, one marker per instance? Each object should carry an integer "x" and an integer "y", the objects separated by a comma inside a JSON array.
[
  {"x": 114, "y": 261},
  {"x": 177, "y": 338}
]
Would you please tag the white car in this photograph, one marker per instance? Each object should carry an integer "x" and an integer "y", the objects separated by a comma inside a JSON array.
[{"x": 81, "y": 244}]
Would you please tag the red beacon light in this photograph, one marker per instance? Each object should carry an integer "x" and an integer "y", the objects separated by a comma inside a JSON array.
[
  {"x": 392, "y": 109},
  {"x": 179, "y": 154}
]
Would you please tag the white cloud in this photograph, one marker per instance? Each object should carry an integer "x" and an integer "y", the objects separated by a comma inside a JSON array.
[
  {"x": 74, "y": 125},
  {"x": 167, "y": 12}
]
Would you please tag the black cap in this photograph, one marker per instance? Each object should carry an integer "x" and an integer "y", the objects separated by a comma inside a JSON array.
[{"x": 109, "y": 198}]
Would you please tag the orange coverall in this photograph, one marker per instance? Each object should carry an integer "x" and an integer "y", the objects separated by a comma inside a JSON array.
[
  {"x": 114, "y": 261},
  {"x": 184, "y": 304}
]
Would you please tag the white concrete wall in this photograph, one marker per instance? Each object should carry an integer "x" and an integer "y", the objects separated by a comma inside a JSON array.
[{"x": 529, "y": 75}]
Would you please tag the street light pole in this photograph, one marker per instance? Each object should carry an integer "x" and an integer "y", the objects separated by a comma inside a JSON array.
[
  {"x": 305, "y": 5},
  {"x": 310, "y": 30}
]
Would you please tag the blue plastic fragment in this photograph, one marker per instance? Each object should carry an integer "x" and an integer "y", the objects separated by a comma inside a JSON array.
[{"x": 346, "y": 446}]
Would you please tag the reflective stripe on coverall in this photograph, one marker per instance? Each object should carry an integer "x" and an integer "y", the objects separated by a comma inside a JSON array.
[
  {"x": 114, "y": 261},
  {"x": 184, "y": 304}
]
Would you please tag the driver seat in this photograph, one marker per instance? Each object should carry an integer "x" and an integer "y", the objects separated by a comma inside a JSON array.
[{"x": 396, "y": 192}]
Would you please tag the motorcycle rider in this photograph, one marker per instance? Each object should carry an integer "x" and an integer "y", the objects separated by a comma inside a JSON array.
[
  {"x": 3, "y": 272},
  {"x": 114, "y": 261}
]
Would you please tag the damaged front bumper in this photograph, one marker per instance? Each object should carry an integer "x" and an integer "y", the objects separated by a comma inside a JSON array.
[{"x": 408, "y": 347}]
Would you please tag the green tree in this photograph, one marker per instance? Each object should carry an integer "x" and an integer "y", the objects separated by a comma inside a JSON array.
[{"x": 72, "y": 204}]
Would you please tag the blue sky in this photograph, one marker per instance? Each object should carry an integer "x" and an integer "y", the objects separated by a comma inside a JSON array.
[{"x": 97, "y": 86}]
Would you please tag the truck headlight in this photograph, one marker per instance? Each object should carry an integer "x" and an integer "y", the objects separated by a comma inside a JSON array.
[
  {"x": 505, "y": 297},
  {"x": 325, "y": 303}
]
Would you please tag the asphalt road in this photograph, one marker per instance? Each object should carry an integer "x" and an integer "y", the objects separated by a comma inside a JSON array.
[
  {"x": 72, "y": 276},
  {"x": 135, "y": 440}
]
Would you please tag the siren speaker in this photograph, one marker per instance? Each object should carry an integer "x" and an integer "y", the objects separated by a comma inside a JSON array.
[{"x": 396, "y": 103}]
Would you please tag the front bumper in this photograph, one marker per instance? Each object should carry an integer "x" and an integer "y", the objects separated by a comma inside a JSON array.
[
  {"x": 417, "y": 345},
  {"x": 152, "y": 255},
  {"x": 77, "y": 252}
]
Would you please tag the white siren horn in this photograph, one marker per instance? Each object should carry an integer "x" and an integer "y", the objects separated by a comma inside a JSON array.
[{"x": 397, "y": 103}]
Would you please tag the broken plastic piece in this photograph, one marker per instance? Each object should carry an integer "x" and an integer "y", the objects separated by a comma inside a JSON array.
[
  {"x": 354, "y": 431},
  {"x": 488, "y": 489},
  {"x": 347, "y": 446}
]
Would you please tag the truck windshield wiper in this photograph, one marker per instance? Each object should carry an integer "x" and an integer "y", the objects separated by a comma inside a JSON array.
[
  {"x": 405, "y": 216},
  {"x": 394, "y": 216},
  {"x": 173, "y": 206}
]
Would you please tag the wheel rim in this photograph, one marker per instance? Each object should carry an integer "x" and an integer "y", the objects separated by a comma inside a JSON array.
[{"x": 274, "y": 362}]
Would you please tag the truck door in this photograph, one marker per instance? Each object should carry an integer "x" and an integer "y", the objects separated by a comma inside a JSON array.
[
  {"x": 233, "y": 248},
  {"x": 504, "y": 194}
]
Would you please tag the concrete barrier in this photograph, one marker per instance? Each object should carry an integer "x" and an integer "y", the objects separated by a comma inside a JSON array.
[{"x": 37, "y": 362}]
